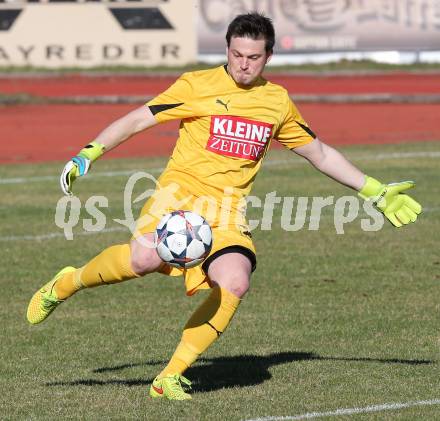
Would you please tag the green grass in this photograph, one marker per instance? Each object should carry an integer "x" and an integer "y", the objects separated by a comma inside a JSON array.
[
  {"x": 339, "y": 66},
  {"x": 331, "y": 321}
]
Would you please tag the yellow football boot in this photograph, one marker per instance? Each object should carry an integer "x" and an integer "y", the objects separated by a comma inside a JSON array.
[
  {"x": 171, "y": 387},
  {"x": 45, "y": 299}
]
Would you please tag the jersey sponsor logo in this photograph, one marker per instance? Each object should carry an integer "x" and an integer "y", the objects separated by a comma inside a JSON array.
[{"x": 238, "y": 137}]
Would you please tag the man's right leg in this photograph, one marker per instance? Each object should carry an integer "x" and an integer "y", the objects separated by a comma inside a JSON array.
[
  {"x": 230, "y": 274},
  {"x": 115, "y": 264}
]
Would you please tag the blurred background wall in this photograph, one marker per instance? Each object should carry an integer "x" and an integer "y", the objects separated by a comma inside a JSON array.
[
  {"x": 81, "y": 33},
  {"x": 324, "y": 30},
  {"x": 75, "y": 33}
]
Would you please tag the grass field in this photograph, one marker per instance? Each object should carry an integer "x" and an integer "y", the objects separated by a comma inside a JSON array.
[
  {"x": 331, "y": 321},
  {"x": 339, "y": 66}
]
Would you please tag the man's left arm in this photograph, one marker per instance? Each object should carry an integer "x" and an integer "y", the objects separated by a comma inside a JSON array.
[{"x": 399, "y": 208}]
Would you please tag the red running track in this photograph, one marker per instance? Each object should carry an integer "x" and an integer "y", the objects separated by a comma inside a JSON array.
[
  {"x": 397, "y": 83},
  {"x": 36, "y": 133}
]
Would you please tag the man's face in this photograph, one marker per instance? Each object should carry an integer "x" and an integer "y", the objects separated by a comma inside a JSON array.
[{"x": 247, "y": 58}]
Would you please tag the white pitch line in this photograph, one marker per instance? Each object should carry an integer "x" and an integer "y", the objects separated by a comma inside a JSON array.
[
  {"x": 22, "y": 180},
  {"x": 59, "y": 234},
  {"x": 50, "y": 235},
  {"x": 415, "y": 154},
  {"x": 351, "y": 411},
  {"x": 378, "y": 157},
  {"x": 269, "y": 163}
]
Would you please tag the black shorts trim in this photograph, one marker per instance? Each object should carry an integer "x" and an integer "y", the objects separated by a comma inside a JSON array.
[{"x": 231, "y": 249}]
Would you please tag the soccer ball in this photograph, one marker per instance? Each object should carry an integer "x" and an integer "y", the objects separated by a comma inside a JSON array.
[{"x": 183, "y": 239}]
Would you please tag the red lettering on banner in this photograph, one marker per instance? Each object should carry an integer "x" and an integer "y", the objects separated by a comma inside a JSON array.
[{"x": 238, "y": 137}]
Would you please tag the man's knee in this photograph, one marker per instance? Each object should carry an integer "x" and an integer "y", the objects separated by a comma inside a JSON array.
[
  {"x": 231, "y": 271},
  {"x": 144, "y": 257},
  {"x": 238, "y": 284}
]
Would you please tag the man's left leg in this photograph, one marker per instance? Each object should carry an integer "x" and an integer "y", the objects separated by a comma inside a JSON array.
[{"x": 230, "y": 274}]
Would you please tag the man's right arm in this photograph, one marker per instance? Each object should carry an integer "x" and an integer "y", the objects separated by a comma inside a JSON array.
[
  {"x": 122, "y": 129},
  {"x": 113, "y": 135}
]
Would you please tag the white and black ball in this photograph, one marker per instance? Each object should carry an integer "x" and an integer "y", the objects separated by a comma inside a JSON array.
[{"x": 183, "y": 239}]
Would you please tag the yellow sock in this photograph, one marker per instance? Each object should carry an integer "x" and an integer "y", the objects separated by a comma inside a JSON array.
[
  {"x": 207, "y": 323},
  {"x": 68, "y": 285},
  {"x": 111, "y": 266}
]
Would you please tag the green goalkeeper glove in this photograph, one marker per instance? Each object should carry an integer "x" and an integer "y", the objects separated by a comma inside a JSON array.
[
  {"x": 399, "y": 208},
  {"x": 79, "y": 165}
]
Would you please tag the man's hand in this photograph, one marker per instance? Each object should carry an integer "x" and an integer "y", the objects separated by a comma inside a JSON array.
[
  {"x": 79, "y": 166},
  {"x": 399, "y": 208}
]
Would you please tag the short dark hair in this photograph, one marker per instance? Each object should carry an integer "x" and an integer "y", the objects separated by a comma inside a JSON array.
[{"x": 252, "y": 25}]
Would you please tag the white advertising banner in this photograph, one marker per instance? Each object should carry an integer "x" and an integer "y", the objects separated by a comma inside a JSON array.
[
  {"x": 304, "y": 26},
  {"x": 77, "y": 33}
]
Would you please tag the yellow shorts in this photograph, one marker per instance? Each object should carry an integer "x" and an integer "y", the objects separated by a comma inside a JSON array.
[{"x": 230, "y": 234}]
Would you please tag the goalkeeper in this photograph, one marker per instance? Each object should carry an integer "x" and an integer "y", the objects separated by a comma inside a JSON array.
[{"x": 229, "y": 115}]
